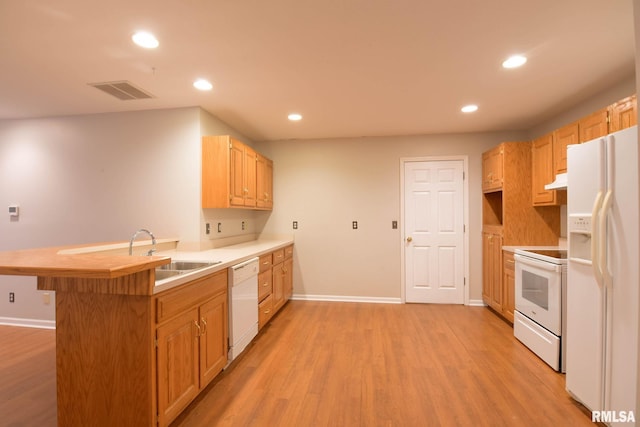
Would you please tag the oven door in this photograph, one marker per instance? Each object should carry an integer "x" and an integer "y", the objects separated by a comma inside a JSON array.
[{"x": 539, "y": 292}]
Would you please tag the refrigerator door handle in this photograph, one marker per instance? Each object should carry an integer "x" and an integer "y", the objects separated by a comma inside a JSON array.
[
  {"x": 595, "y": 239},
  {"x": 603, "y": 262}
]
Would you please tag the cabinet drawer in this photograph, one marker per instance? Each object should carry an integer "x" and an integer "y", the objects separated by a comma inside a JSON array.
[
  {"x": 266, "y": 262},
  {"x": 265, "y": 283},
  {"x": 288, "y": 251},
  {"x": 278, "y": 256},
  {"x": 184, "y": 297},
  {"x": 508, "y": 261},
  {"x": 265, "y": 311}
]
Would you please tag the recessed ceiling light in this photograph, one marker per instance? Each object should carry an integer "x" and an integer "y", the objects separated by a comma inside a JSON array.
[
  {"x": 469, "y": 108},
  {"x": 145, "y": 40},
  {"x": 202, "y": 84},
  {"x": 294, "y": 117},
  {"x": 514, "y": 61}
]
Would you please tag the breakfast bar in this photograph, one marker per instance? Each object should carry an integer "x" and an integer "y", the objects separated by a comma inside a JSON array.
[{"x": 111, "y": 318}]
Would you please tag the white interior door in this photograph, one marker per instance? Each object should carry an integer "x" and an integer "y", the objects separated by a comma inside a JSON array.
[{"x": 434, "y": 231}]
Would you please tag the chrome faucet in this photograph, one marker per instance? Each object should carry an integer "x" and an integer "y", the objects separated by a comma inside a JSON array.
[{"x": 153, "y": 241}]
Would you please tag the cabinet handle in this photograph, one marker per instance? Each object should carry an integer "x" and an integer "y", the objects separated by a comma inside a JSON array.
[
  {"x": 204, "y": 326},
  {"x": 510, "y": 261},
  {"x": 198, "y": 328},
  {"x": 267, "y": 311},
  {"x": 265, "y": 284}
]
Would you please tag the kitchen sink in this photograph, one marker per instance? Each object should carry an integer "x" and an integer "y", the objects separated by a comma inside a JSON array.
[
  {"x": 165, "y": 274},
  {"x": 186, "y": 265},
  {"x": 179, "y": 267}
]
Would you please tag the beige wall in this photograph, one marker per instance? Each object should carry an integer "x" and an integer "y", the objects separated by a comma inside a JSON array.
[{"x": 327, "y": 184}]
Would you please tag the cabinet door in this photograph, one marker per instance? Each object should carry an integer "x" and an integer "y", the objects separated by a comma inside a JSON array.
[
  {"x": 509, "y": 283},
  {"x": 268, "y": 185},
  {"x": 492, "y": 292},
  {"x": 288, "y": 279},
  {"x": 542, "y": 172},
  {"x": 278, "y": 286},
  {"x": 567, "y": 135},
  {"x": 261, "y": 171},
  {"x": 249, "y": 177},
  {"x": 213, "y": 338},
  {"x": 623, "y": 114},
  {"x": 496, "y": 272},
  {"x": 236, "y": 172},
  {"x": 177, "y": 357},
  {"x": 492, "y": 167},
  {"x": 594, "y": 125},
  {"x": 486, "y": 268}
]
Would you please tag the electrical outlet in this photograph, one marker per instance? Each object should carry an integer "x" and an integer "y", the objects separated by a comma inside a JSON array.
[
  {"x": 243, "y": 225},
  {"x": 354, "y": 224},
  {"x": 295, "y": 225},
  {"x": 46, "y": 298},
  {"x": 394, "y": 224},
  {"x": 208, "y": 228},
  {"x": 12, "y": 297},
  {"x": 219, "y": 227}
]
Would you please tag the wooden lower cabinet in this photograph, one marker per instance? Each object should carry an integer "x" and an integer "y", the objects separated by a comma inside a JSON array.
[
  {"x": 492, "y": 268},
  {"x": 191, "y": 339},
  {"x": 275, "y": 284},
  {"x": 509, "y": 285}
]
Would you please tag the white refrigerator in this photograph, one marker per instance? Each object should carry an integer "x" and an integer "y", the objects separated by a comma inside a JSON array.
[{"x": 602, "y": 278}]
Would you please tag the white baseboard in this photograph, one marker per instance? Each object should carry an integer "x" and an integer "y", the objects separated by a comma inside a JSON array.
[
  {"x": 345, "y": 298},
  {"x": 476, "y": 303},
  {"x": 28, "y": 323}
]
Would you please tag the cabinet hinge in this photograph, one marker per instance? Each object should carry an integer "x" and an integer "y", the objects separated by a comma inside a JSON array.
[{"x": 155, "y": 342}]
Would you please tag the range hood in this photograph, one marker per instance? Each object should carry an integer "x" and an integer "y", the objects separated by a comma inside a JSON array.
[{"x": 559, "y": 184}]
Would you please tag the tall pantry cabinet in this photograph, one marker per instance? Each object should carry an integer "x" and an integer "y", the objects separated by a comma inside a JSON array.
[{"x": 509, "y": 218}]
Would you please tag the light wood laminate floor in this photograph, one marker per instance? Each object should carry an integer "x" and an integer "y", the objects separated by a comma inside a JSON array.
[{"x": 342, "y": 364}]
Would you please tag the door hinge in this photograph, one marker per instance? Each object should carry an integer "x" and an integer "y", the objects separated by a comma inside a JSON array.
[
  {"x": 464, "y": 175},
  {"x": 464, "y": 281},
  {"x": 464, "y": 228}
]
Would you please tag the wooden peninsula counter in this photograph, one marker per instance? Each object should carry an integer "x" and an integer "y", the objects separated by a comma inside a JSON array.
[
  {"x": 105, "y": 364},
  {"x": 132, "y": 350}
]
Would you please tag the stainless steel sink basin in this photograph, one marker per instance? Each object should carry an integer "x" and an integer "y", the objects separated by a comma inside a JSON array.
[
  {"x": 186, "y": 265},
  {"x": 165, "y": 274},
  {"x": 180, "y": 267}
]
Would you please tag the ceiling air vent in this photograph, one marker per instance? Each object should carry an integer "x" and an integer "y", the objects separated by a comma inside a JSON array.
[{"x": 123, "y": 90}]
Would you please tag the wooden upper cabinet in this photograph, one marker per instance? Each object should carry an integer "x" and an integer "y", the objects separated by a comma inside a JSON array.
[
  {"x": 563, "y": 137},
  {"x": 594, "y": 125},
  {"x": 542, "y": 171},
  {"x": 249, "y": 177},
  {"x": 264, "y": 182},
  {"x": 492, "y": 169},
  {"x": 623, "y": 114},
  {"x": 231, "y": 174}
]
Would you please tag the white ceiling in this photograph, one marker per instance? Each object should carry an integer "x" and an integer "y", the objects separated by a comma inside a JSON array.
[{"x": 351, "y": 67}]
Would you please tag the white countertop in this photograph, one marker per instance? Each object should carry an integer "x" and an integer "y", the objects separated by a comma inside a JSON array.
[{"x": 227, "y": 256}]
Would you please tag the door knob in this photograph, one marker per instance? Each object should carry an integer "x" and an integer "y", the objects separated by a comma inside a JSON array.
[{"x": 409, "y": 239}]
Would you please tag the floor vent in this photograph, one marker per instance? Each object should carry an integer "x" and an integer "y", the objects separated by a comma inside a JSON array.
[{"x": 123, "y": 90}]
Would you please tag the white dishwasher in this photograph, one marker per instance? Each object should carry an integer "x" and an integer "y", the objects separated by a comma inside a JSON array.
[{"x": 243, "y": 305}]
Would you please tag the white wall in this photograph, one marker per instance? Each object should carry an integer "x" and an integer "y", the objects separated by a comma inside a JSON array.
[
  {"x": 327, "y": 184},
  {"x": 97, "y": 178}
]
